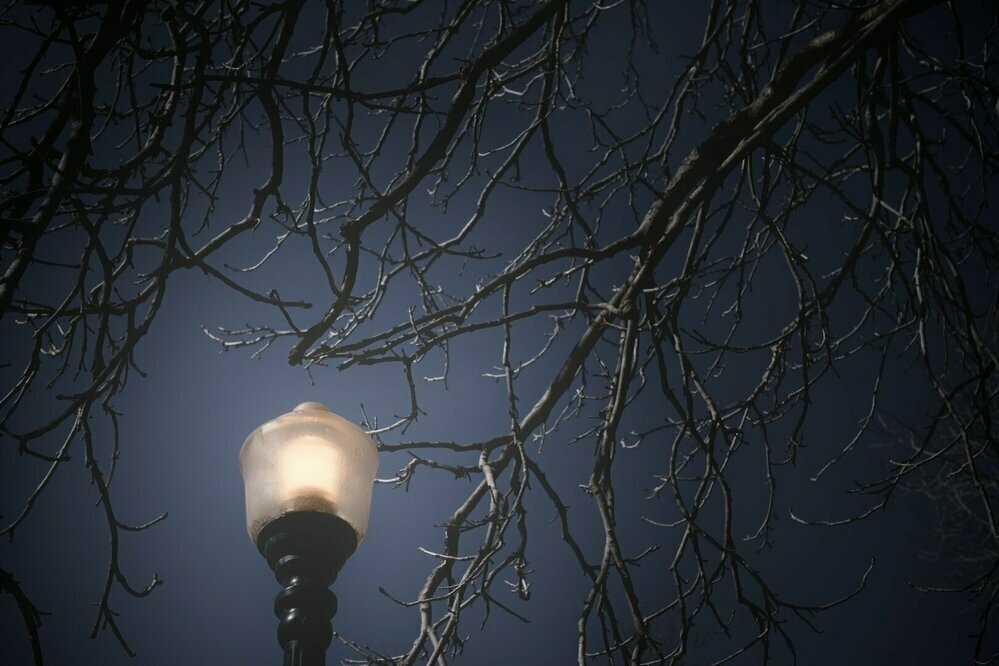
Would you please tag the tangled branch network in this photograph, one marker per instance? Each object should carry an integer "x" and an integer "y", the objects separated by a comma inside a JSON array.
[{"x": 676, "y": 231}]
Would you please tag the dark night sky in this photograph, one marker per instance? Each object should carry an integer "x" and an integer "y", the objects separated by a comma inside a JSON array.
[
  {"x": 184, "y": 423},
  {"x": 190, "y": 418}
]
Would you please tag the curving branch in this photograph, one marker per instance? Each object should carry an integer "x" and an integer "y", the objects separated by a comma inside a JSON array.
[{"x": 726, "y": 229}]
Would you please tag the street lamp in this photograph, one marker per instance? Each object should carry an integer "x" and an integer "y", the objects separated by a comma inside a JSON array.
[{"x": 308, "y": 476}]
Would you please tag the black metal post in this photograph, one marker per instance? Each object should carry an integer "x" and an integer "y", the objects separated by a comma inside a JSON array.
[{"x": 306, "y": 550}]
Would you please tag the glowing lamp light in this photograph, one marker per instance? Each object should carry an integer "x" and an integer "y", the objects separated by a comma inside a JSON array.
[
  {"x": 308, "y": 477},
  {"x": 308, "y": 460}
]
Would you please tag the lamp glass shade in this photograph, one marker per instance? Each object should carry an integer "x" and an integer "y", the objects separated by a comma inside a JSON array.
[{"x": 308, "y": 460}]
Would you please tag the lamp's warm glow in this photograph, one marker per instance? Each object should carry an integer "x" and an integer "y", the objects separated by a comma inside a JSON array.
[
  {"x": 308, "y": 460},
  {"x": 308, "y": 469}
]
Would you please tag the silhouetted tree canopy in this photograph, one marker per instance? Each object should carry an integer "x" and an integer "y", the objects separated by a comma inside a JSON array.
[{"x": 679, "y": 249}]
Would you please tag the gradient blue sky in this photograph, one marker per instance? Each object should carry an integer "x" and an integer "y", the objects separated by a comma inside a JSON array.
[{"x": 184, "y": 423}]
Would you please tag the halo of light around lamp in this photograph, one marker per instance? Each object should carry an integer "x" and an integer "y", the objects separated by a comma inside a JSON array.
[{"x": 309, "y": 459}]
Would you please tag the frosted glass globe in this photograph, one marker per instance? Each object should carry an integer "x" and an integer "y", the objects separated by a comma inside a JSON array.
[{"x": 308, "y": 460}]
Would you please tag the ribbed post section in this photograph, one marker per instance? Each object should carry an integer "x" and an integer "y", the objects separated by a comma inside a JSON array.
[{"x": 306, "y": 550}]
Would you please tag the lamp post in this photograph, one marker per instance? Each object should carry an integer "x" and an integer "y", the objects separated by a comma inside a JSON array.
[{"x": 308, "y": 476}]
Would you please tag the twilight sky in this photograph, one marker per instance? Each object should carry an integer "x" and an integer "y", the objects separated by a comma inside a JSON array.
[{"x": 182, "y": 423}]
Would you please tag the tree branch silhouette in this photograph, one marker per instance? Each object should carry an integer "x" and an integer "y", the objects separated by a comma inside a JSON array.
[{"x": 136, "y": 127}]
